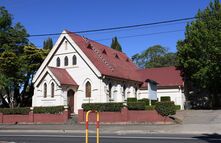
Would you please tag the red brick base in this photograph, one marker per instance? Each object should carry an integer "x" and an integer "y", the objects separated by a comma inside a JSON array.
[
  {"x": 125, "y": 116},
  {"x": 34, "y": 118}
]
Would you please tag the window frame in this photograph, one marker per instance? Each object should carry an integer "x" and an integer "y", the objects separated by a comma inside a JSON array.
[
  {"x": 58, "y": 62},
  {"x": 88, "y": 89},
  {"x": 74, "y": 60},
  {"x": 52, "y": 89},
  {"x": 45, "y": 90},
  {"x": 66, "y": 61}
]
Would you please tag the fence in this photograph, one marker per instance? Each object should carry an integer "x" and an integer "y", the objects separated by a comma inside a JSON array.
[
  {"x": 34, "y": 118},
  {"x": 125, "y": 116}
]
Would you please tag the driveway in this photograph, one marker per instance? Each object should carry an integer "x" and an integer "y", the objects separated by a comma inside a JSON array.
[{"x": 199, "y": 116}]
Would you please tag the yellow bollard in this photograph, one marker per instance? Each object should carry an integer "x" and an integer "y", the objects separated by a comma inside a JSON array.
[
  {"x": 87, "y": 116},
  {"x": 97, "y": 125}
]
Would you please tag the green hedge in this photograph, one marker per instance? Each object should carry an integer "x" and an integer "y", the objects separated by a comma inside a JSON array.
[
  {"x": 103, "y": 107},
  {"x": 49, "y": 110},
  {"x": 178, "y": 107},
  {"x": 152, "y": 107},
  {"x": 136, "y": 105},
  {"x": 21, "y": 111},
  {"x": 165, "y": 108},
  {"x": 145, "y": 100},
  {"x": 131, "y": 100},
  {"x": 165, "y": 98}
]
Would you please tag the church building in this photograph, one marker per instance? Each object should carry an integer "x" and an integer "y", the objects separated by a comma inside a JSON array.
[{"x": 79, "y": 70}]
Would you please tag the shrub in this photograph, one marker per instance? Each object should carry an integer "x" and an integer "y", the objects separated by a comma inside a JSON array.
[
  {"x": 150, "y": 107},
  {"x": 49, "y": 110},
  {"x": 178, "y": 107},
  {"x": 131, "y": 100},
  {"x": 145, "y": 100},
  {"x": 103, "y": 107},
  {"x": 21, "y": 111},
  {"x": 153, "y": 102},
  {"x": 165, "y": 98},
  {"x": 136, "y": 105},
  {"x": 165, "y": 108}
]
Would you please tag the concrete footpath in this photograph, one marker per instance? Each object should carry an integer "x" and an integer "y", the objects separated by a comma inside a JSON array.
[
  {"x": 116, "y": 129},
  {"x": 193, "y": 122}
]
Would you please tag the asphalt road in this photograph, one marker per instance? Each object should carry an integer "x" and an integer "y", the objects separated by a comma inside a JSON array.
[{"x": 132, "y": 138}]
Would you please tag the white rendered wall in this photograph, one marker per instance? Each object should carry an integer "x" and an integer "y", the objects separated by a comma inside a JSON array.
[
  {"x": 175, "y": 95},
  {"x": 39, "y": 99},
  {"x": 142, "y": 93},
  {"x": 81, "y": 73},
  {"x": 118, "y": 94}
]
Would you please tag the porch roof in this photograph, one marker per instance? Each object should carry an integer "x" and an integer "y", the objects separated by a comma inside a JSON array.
[{"x": 63, "y": 76}]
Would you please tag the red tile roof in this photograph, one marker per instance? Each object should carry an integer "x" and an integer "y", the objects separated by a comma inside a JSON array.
[
  {"x": 164, "y": 76},
  {"x": 108, "y": 61},
  {"x": 62, "y": 76}
]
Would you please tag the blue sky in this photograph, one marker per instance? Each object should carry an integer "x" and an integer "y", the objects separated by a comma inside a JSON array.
[{"x": 52, "y": 16}]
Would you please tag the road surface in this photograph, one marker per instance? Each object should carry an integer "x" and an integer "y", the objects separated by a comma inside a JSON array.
[{"x": 129, "y": 138}]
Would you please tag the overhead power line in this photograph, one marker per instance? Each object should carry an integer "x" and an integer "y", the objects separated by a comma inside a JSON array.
[
  {"x": 117, "y": 28},
  {"x": 141, "y": 35}
]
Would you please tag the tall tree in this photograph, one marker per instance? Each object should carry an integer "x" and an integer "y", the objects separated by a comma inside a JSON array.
[
  {"x": 31, "y": 60},
  {"x": 199, "y": 54},
  {"x": 116, "y": 45},
  {"x": 19, "y": 60},
  {"x": 48, "y": 44},
  {"x": 13, "y": 38},
  {"x": 154, "y": 56}
]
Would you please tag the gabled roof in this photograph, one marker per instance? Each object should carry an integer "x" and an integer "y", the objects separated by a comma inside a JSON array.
[
  {"x": 164, "y": 76},
  {"x": 62, "y": 76},
  {"x": 108, "y": 61}
]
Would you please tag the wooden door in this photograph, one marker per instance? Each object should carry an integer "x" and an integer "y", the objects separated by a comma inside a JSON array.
[{"x": 70, "y": 101}]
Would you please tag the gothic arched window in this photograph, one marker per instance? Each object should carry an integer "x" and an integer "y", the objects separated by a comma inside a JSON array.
[
  {"x": 88, "y": 89},
  {"x": 66, "y": 61},
  {"x": 74, "y": 60},
  {"x": 45, "y": 90},
  {"x": 110, "y": 88},
  {"x": 52, "y": 89},
  {"x": 58, "y": 62}
]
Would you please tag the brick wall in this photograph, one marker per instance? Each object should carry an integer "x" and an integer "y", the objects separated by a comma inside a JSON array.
[
  {"x": 124, "y": 116},
  {"x": 34, "y": 118}
]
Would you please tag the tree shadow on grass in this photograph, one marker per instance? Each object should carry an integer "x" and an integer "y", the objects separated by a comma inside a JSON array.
[{"x": 209, "y": 138}]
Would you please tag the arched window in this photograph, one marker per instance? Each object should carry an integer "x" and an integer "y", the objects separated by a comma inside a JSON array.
[
  {"x": 88, "y": 89},
  {"x": 136, "y": 91},
  {"x": 58, "y": 62},
  {"x": 110, "y": 93},
  {"x": 66, "y": 61},
  {"x": 74, "y": 60},
  {"x": 124, "y": 90},
  {"x": 45, "y": 90},
  {"x": 52, "y": 89}
]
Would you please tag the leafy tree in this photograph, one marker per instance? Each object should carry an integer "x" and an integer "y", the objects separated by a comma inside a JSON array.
[
  {"x": 48, "y": 44},
  {"x": 155, "y": 56},
  {"x": 5, "y": 85},
  {"x": 31, "y": 61},
  {"x": 116, "y": 45},
  {"x": 19, "y": 60},
  {"x": 12, "y": 41},
  {"x": 199, "y": 54}
]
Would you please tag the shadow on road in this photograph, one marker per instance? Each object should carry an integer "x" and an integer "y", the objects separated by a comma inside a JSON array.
[{"x": 210, "y": 138}]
